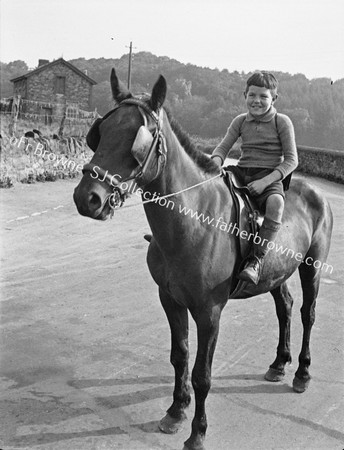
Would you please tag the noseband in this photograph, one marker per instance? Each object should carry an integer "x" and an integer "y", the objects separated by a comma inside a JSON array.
[{"x": 149, "y": 149}]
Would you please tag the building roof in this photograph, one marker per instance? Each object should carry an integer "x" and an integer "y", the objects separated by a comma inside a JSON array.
[{"x": 57, "y": 61}]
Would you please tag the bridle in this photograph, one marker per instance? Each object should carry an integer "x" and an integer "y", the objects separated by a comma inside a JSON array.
[{"x": 149, "y": 149}]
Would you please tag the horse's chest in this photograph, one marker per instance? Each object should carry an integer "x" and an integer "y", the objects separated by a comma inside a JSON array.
[
  {"x": 182, "y": 280},
  {"x": 180, "y": 285}
]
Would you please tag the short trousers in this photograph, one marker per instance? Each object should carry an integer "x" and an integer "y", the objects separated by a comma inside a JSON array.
[{"x": 248, "y": 174}]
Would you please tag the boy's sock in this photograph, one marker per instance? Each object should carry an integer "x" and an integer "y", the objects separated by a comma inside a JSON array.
[{"x": 267, "y": 234}]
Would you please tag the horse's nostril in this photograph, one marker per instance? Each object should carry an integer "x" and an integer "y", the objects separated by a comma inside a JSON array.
[{"x": 94, "y": 201}]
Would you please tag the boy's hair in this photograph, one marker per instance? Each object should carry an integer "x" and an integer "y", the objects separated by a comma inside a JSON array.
[{"x": 263, "y": 79}]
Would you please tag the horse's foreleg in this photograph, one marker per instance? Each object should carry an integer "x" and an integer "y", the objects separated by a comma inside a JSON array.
[
  {"x": 310, "y": 280},
  {"x": 207, "y": 332},
  {"x": 284, "y": 304},
  {"x": 178, "y": 319}
]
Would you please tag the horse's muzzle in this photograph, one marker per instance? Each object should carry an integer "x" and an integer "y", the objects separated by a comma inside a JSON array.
[{"x": 92, "y": 199}]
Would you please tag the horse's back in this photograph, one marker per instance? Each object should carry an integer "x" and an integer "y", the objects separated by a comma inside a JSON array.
[
  {"x": 313, "y": 208},
  {"x": 307, "y": 201}
]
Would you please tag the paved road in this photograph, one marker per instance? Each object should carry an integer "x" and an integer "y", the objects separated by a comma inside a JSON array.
[{"x": 85, "y": 343}]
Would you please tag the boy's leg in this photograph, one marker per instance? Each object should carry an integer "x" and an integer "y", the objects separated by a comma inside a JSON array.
[
  {"x": 274, "y": 207},
  {"x": 267, "y": 233}
]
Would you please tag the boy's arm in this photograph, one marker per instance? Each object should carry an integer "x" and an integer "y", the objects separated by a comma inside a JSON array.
[
  {"x": 221, "y": 151},
  {"x": 287, "y": 137}
]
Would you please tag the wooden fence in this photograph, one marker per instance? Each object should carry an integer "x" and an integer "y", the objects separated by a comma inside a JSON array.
[{"x": 66, "y": 119}]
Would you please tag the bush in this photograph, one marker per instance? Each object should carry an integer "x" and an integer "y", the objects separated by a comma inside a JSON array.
[{"x": 6, "y": 182}]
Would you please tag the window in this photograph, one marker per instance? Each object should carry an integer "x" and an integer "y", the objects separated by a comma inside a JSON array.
[
  {"x": 60, "y": 85},
  {"x": 71, "y": 112},
  {"x": 48, "y": 113}
]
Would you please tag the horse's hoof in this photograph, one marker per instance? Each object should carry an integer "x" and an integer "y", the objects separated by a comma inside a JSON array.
[
  {"x": 274, "y": 375},
  {"x": 299, "y": 385},
  {"x": 170, "y": 425},
  {"x": 194, "y": 448},
  {"x": 192, "y": 444}
]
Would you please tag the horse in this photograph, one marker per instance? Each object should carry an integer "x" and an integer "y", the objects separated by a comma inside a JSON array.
[{"x": 193, "y": 262}]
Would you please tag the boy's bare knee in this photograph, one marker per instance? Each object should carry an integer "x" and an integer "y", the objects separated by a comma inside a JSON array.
[{"x": 275, "y": 207}]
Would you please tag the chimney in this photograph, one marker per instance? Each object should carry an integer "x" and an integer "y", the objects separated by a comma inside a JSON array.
[{"x": 43, "y": 62}]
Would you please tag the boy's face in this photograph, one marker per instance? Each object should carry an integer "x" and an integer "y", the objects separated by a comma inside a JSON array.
[{"x": 258, "y": 100}]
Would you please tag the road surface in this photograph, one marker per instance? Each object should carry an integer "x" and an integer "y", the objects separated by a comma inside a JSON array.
[{"x": 85, "y": 343}]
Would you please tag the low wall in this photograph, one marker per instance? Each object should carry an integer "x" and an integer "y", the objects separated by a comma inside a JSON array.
[
  {"x": 319, "y": 162},
  {"x": 28, "y": 160},
  {"x": 322, "y": 162},
  {"x": 40, "y": 158}
]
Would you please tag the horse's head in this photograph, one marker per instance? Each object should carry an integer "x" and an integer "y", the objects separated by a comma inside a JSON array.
[{"x": 129, "y": 150}]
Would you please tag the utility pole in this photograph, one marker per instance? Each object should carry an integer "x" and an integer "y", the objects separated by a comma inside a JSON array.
[{"x": 130, "y": 60}]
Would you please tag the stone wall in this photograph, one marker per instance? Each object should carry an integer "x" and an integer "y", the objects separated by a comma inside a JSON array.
[
  {"x": 20, "y": 88},
  {"x": 29, "y": 160}
]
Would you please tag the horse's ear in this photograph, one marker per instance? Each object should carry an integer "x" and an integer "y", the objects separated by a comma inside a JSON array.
[
  {"x": 119, "y": 91},
  {"x": 158, "y": 94}
]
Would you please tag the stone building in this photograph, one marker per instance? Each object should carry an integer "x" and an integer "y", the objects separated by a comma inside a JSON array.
[{"x": 52, "y": 89}]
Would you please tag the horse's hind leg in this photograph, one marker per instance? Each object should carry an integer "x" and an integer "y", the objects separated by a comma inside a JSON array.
[
  {"x": 283, "y": 303},
  {"x": 310, "y": 280},
  {"x": 178, "y": 319}
]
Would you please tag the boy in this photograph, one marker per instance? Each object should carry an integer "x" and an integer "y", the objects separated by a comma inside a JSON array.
[{"x": 268, "y": 156}]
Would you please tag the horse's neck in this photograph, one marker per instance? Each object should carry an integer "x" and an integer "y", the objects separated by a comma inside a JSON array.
[
  {"x": 181, "y": 169},
  {"x": 180, "y": 172},
  {"x": 167, "y": 216}
]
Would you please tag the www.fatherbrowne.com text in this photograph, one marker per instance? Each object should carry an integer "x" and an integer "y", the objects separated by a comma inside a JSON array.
[{"x": 219, "y": 223}]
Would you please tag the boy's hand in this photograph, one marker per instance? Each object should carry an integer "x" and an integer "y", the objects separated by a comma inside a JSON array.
[
  {"x": 217, "y": 160},
  {"x": 257, "y": 187}
]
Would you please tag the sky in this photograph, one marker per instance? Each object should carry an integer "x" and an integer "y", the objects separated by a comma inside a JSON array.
[{"x": 295, "y": 36}]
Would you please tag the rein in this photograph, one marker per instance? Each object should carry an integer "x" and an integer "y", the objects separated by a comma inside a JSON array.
[{"x": 156, "y": 199}]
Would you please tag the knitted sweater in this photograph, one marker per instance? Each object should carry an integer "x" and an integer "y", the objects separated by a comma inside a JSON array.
[{"x": 263, "y": 146}]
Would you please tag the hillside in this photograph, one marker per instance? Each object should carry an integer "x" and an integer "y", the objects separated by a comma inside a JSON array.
[{"x": 205, "y": 100}]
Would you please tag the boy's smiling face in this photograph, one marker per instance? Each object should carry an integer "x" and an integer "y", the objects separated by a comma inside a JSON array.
[{"x": 258, "y": 100}]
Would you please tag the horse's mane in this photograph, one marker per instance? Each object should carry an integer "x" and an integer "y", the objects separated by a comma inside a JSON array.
[{"x": 200, "y": 158}]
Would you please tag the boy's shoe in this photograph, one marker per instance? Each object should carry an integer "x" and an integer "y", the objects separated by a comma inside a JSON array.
[{"x": 252, "y": 270}]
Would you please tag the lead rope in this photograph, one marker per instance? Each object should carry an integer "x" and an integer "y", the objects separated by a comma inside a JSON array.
[{"x": 156, "y": 199}]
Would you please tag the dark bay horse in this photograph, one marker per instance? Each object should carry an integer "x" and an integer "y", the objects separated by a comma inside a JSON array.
[{"x": 194, "y": 261}]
